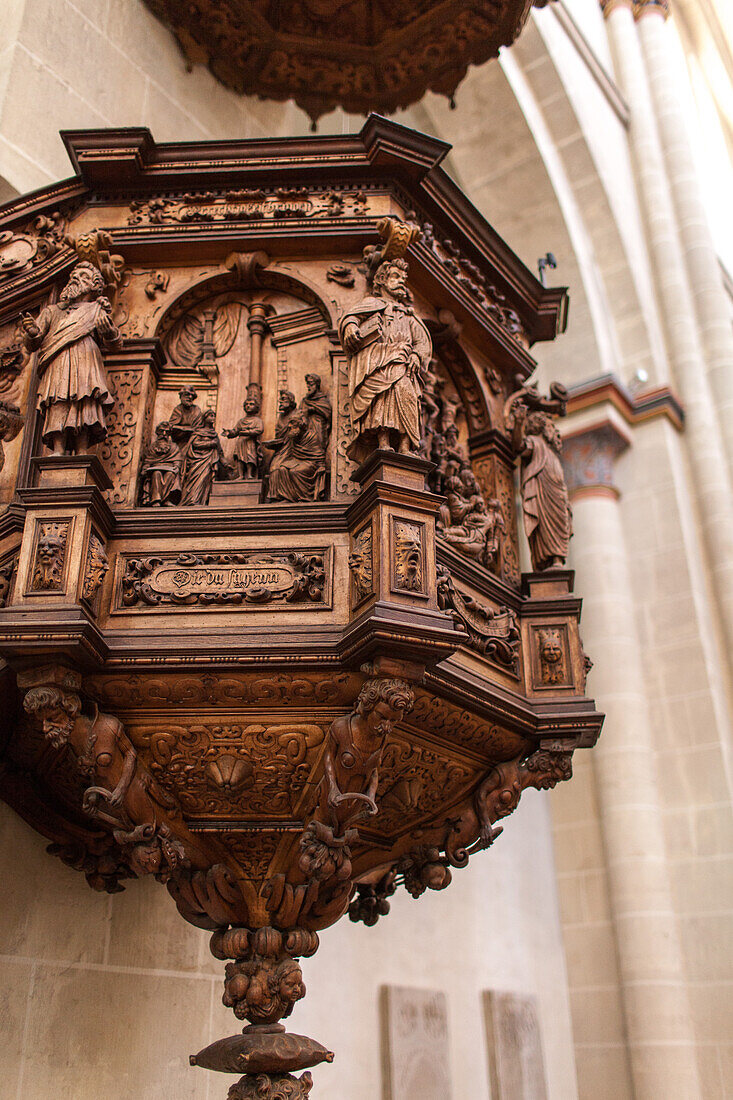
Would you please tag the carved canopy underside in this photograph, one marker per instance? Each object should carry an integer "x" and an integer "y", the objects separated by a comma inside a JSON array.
[{"x": 362, "y": 55}]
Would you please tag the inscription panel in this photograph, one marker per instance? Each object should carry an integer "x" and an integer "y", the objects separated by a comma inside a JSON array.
[
  {"x": 516, "y": 1066},
  {"x": 250, "y": 579},
  {"x": 417, "y": 1056}
]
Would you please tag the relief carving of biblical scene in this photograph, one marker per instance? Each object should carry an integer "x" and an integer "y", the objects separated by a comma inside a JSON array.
[
  {"x": 243, "y": 410},
  {"x": 261, "y": 608}
]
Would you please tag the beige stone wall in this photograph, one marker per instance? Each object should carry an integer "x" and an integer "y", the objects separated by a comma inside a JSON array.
[{"x": 108, "y": 995}]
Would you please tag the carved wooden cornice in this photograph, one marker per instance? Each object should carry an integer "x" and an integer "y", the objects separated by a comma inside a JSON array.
[
  {"x": 635, "y": 408},
  {"x": 135, "y": 165}
]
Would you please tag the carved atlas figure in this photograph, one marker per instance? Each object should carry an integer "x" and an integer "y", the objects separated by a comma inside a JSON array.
[
  {"x": 73, "y": 395},
  {"x": 355, "y": 747}
]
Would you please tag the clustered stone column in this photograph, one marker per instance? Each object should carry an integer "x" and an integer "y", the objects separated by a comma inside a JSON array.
[
  {"x": 706, "y": 449},
  {"x": 657, "y": 1013},
  {"x": 703, "y": 267}
]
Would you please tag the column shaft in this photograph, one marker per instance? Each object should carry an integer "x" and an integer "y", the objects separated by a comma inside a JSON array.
[
  {"x": 658, "y": 1022},
  {"x": 701, "y": 259},
  {"x": 707, "y": 456}
]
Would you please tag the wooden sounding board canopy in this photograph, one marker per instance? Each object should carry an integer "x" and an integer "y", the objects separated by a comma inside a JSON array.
[{"x": 362, "y": 55}]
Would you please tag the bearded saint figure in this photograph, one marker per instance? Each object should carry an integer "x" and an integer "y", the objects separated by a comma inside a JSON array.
[
  {"x": 73, "y": 393},
  {"x": 545, "y": 501},
  {"x": 389, "y": 351}
]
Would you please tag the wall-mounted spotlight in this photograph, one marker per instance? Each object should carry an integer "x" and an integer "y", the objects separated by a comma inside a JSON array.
[{"x": 548, "y": 260}]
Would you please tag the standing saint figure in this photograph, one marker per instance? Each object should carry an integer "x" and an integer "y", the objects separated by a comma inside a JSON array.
[
  {"x": 203, "y": 457},
  {"x": 545, "y": 501},
  {"x": 248, "y": 455},
  {"x": 73, "y": 394},
  {"x": 389, "y": 350},
  {"x": 316, "y": 407},
  {"x": 160, "y": 472}
]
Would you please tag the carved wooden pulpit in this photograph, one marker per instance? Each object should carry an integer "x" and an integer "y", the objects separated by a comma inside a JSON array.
[{"x": 265, "y": 406}]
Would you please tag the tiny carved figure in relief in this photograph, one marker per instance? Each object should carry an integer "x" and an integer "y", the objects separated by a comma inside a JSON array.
[
  {"x": 160, "y": 472},
  {"x": 545, "y": 501},
  {"x": 203, "y": 458},
  {"x": 186, "y": 417},
  {"x": 388, "y": 349},
  {"x": 73, "y": 394},
  {"x": 316, "y": 406},
  {"x": 354, "y": 751},
  {"x": 248, "y": 455},
  {"x": 469, "y": 523}
]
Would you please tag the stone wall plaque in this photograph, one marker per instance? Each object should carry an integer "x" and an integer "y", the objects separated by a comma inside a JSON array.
[
  {"x": 251, "y": 578},
  {"x": 516, "y": 1065},
  {"x": 416, "y": 1051}
]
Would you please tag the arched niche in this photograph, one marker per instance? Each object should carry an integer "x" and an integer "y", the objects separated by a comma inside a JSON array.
[{"x": 247, "y": 325}]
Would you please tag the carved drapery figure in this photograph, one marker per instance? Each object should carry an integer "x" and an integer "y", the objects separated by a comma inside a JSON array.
[
  {"x": 316, "y": 407},
  {"x": 354, "y": 751},
  {"x": 203, "y": 458},
  {"x": 388, "y": 350},
  {"x": 160, "y": 472},
  {"x": 545, "y": 501},
  {"x": 73, "y": 394},
  {"x": 11, "y": 422},
  {"x": 248, "y": 455},
  {"x": 467, "y": 522},
  {"x": 186, "y": 416},
  {"x": 298, "y": 463}
]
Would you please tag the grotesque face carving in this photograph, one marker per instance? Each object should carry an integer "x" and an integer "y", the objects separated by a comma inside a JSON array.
[
  {"x": 361, "y": 565},
  {"x": 408, "y": 558},
  {"x": 49, "y": 560}
]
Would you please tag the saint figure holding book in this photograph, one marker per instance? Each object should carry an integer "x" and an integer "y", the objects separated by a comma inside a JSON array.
[{"x": 389, "y": 351}]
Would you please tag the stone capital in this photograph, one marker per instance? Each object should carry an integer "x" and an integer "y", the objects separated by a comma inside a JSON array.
[
  {"x": 588, "y": 459},
  {"x": 651, "y": 7},
  {"x": 609, "y": 6}
]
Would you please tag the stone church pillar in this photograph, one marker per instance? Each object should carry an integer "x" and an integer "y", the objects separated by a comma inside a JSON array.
[
  {"x": 706, "y": 282},
  {"x": 707, "y": 456},
  {"x": 657, "y": 1015}
]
